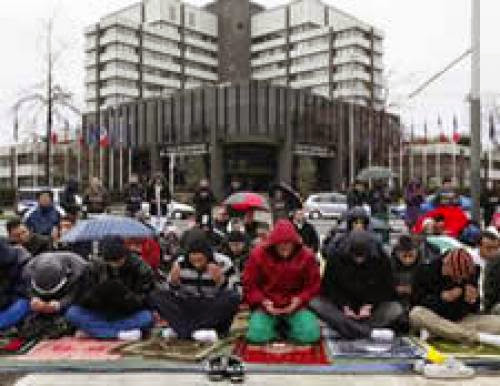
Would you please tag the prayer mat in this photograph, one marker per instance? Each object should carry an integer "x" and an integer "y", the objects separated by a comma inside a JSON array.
[
  {"x": 462, "y": 350},
  {"x": 16, "y": 346},
  {"x": 70, "y": 348},
  {"x": 399, "y": 348},
  {"x": 172, "y": 349},
  {"x": 281, "y": 353}
]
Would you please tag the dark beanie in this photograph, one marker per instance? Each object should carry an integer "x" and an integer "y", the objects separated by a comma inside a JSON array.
[
  {"x": 49, "y": 275},
  {"x": 201, "y": 245},
  {"x": 113, "y": 248},
  {"x": 360, "y": 242},
  {"x": 405, "y": 244},
  {"x": 236, "y": 237}
]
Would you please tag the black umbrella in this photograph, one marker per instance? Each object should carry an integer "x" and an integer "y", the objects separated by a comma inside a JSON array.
[{"x": 291, "y": 195}]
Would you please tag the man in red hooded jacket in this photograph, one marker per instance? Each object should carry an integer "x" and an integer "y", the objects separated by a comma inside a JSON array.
[{"x": 280, "y": 278}]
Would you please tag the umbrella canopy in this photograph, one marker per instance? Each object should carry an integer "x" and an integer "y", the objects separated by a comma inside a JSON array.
[
  {"x": 375, "y": 173},
  {"x": 454, "y": 217},
  {"x": 447, "y": 243},
  {"x": 246, "y": 201},
  {"x": 291, "y": 194},
  {"x": 97, "y": 228}
]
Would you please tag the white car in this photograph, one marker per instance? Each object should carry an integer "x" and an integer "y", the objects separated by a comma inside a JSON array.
[
  {"x": 326, "y": 205},
  {"x": 27, "y": 199}
]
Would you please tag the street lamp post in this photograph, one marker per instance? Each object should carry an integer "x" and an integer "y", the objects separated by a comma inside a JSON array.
[{"x": 475, "y": 111}]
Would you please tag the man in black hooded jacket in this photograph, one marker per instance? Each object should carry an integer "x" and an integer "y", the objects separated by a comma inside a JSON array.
[{"x": 357, "y": 295}]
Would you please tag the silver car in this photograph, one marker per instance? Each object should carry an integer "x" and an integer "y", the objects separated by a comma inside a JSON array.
[{"x": 326, "y": 205}]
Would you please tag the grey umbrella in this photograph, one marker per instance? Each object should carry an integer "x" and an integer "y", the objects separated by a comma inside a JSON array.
[{"x": 375, "y": 173}]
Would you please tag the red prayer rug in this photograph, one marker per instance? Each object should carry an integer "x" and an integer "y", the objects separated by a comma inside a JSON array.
[
  {"x": 70, "y": 348},
  {"x": 282, "y": 353},
  {"x": 15, "y": 346}
]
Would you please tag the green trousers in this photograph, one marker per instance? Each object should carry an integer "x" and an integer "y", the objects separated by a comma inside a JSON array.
[{"x": 301, "y": 327}]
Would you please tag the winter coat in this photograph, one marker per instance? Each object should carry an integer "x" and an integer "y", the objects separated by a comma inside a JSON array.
[
  {"x": 77, "y": 270},
  {"x": 118, "y": 292},
  {"x": 309, "y": 235},
  {"x": 238, "y": 260},
  {"x": 96, "y": 199},
  {"x": 403, "y": 275},
  {"x": 164, "y": 193},
  {"x": 346, "y": 283},
  {"x": 430, "y": 283},
  {"x": 43, "y": 220},
  {"x": 12, "y": 261},
  {"x": 492, "y": 285},
  {"x": 38, "y": 244},
  {"x": 134, "y": 196},
  {"x": 194, "y": 283},
  {"x": 268, "y": 276},
  {"x": 203, "y": 201},
  {"x": 356, "y": 198},
  {"x": 68, "y": 197}
]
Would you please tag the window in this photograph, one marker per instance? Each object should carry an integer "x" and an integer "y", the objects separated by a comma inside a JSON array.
[
  {"x": 191, "y": 20},
  {"x": 171, "y": 11}
]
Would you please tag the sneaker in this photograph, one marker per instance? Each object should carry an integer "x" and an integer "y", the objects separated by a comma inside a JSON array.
[
  {"x": 382, "y": 335},
  {"x": 235, "y": 369},
  {"x": 130, "y": 335},
  {"x": 451, "y": 369},
  {"x": 207, "y": 336},
  {"x": 216, "y": 368},
  {"x": 169, "y": 333}
]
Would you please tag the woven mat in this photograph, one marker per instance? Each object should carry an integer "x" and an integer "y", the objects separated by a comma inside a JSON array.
[{"x": 70, "y": 348}]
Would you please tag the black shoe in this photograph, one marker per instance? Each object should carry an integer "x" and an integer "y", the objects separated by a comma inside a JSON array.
[
  {"x": 216, "y": 368},
  {"x": 235, "y": 369}
]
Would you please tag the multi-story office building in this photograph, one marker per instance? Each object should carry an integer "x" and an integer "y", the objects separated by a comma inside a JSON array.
[
  {"x": 156, "y": 47},
  {"x": 149, "y": 49},
  {"x": 308, "y": 44},
  {"x": 243, "y": 83}
]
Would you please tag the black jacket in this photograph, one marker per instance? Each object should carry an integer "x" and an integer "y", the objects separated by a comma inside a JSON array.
[
  {"x": 430, "y": 283},
  {"x": 404, "y": 275},
  {"x": 118, "y": 292},
  {"x": 203, "y": 201},
  {"x": 356, "y": 198},
  {"x": 134, "y": 195},
  {"x": 12, "y": 262},
  {"x": 492, "y": 285},
  {"x": 309, "y": 236},
  {"x": 347, "y": 284}
]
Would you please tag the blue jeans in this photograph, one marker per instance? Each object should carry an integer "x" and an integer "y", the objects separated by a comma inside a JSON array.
[
  {"x": 14, "y": 313},
  {"x": 97, "y": 326}
]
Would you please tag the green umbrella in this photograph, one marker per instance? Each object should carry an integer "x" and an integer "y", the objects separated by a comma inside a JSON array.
[{"x": 375, "y": 173}]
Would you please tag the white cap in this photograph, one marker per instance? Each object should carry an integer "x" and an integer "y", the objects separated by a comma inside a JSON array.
[{"x": 491, "y": 230}]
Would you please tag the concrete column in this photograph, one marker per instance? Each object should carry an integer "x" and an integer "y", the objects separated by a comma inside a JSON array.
[{"x": 216, "y": 164}]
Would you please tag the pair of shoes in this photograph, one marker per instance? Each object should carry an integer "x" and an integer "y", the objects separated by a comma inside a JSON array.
[
  {"x": 223, "y": 367},
  {"x": 450, "y": 369}
]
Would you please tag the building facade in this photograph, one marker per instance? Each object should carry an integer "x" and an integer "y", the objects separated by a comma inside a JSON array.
[{"x": 243, "y": 83}]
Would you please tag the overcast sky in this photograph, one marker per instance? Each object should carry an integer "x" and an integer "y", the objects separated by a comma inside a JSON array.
[{"x": 421, "y": 38}]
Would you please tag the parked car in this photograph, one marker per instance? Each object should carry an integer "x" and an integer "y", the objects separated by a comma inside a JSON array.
[
  {"x": 27, "y": 199},
  {"x": 326, "y": 205}
]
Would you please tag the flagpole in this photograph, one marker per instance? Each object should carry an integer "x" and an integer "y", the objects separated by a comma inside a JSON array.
[
  {"x": 111, "y": 150},
  {"x": 400, "y": 159},
  {"x": 351, "y": 143},
  {"x": 424, "y": 155},
  {"x": 121, "y": 152},
  {"x": 438, "y": 153},
  {"x": 370, "y": 148},
  {"x": 78, "y": 157},
  {"x": 412, "y": 159},
  {"x": 129, "y": 164}
]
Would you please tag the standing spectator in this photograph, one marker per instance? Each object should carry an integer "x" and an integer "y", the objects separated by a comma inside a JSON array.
[
  {"x": 306, "y": 230},
  {"x": 234, "y": 187},
  {"x": 96, "y": 197},
  {"x": 279, "y": 205},
  {"x": 134, "y": 195},
  {"x": 414, "y": 198},
  {"x": 379, "y": 201},
  {"x": 20, "y": 235},
  {"x": 204, "y": 200},
  {"x": 280, "y": 278},
  {"x": 490, "y": 200},
  {"x": 446, "y": 195},
  {"x": 202, "y": 295},
  {"x": 357, "y": 294},
  {"x": 236, "y": 247},
  {"x": 115, "y": 304},
  {"x": 14, "y": 306},
  {"x": 158, "y": 193},
  {"x": 447, "y": 298},
  {"x": 68, "y": 198},
  {"x": 357, "y": 195},
  {"x": 45, "y": 219}
]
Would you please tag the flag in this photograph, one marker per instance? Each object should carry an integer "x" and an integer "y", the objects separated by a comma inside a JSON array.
[
  {"x": 103, "y": 138},
  {"x": 425, "y": 132},
  {"x": 79, "y": 137},
  {"x": 412, "y": 128},
  {"x": 492, "y": 129},
  {"x": 442, "y": 135},
  {"x": 456, "y": 134},
  {"x": 54, "y": 138}
]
